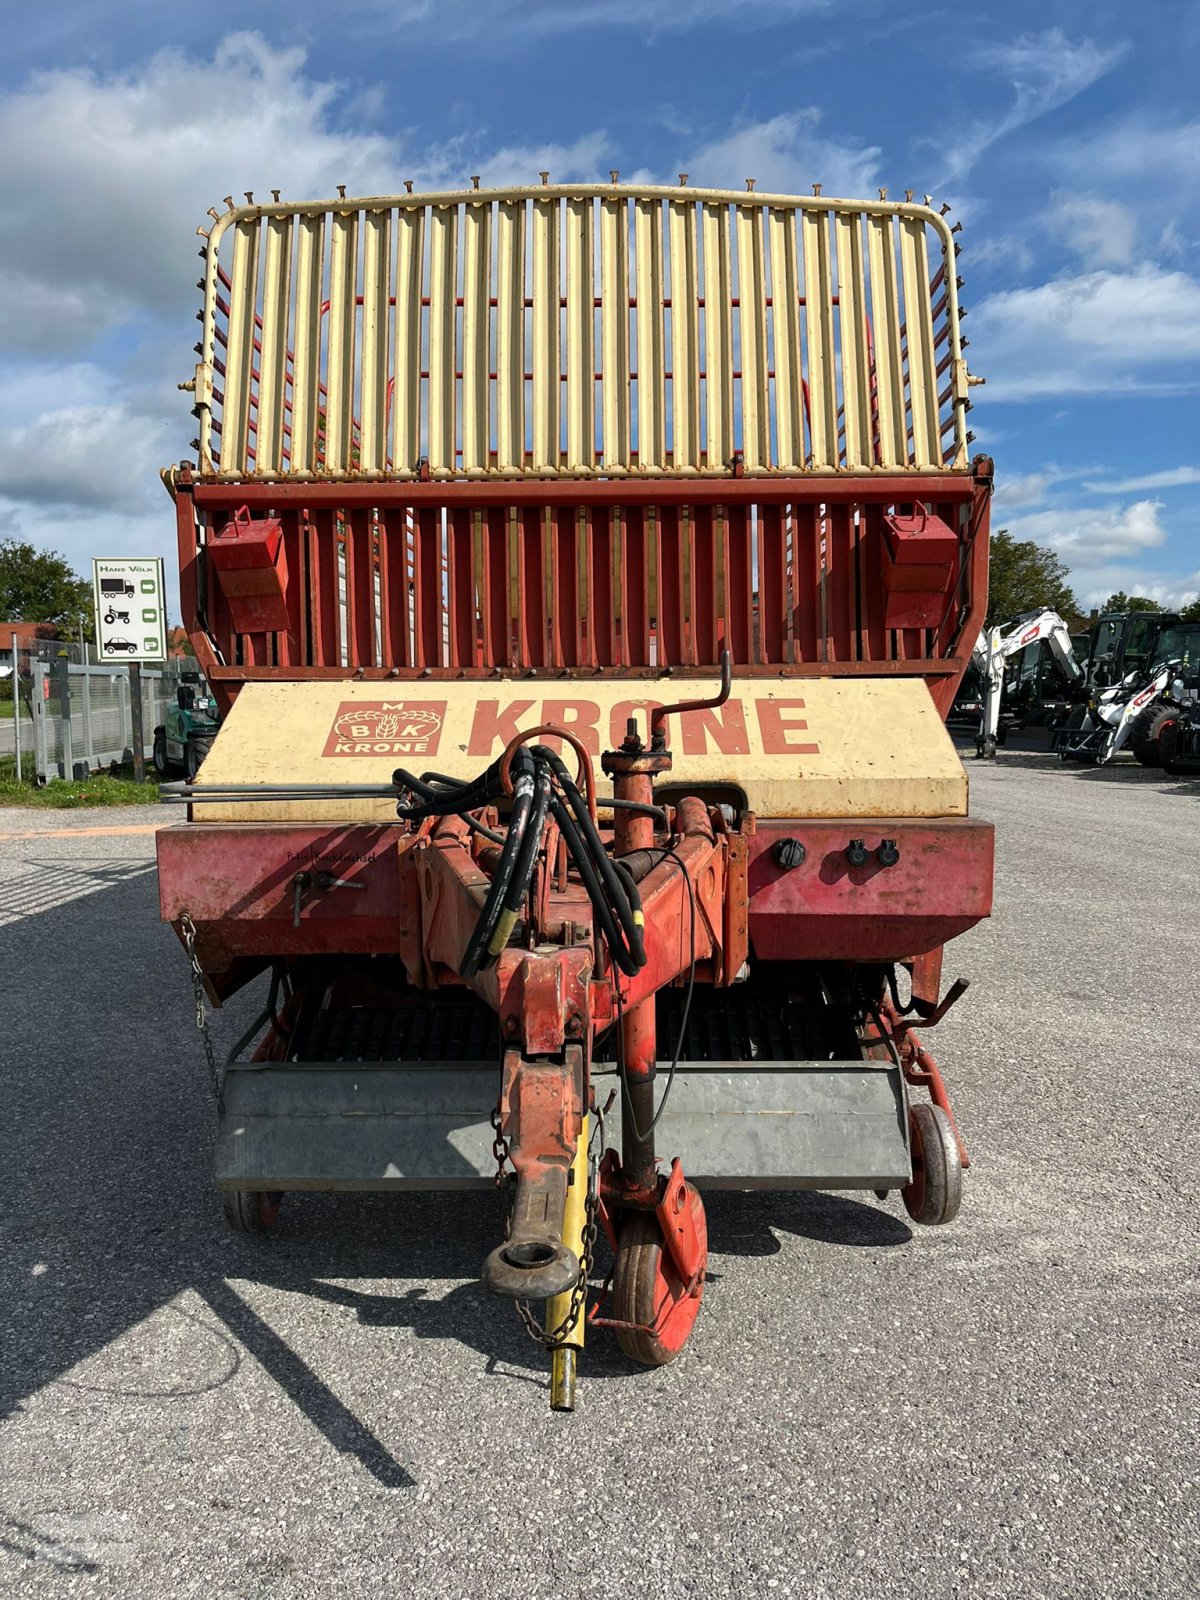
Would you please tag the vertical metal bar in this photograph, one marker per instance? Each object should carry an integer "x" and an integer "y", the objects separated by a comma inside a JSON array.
[
  {"x": 718, "y": 338},
  {"x": 396, "y": 582},
  {"x": 137, "y": 736},
  {"x": 614, "y": 334},
  {"x": 443, "y": 315},
  {"x": 651, "y": 368},
  {"x": 360, "y": 588},
  {"x": 702, "y": 554},
  {"x": 236, "y": 425},
  {"x": 634, "y": 572},
  {"x": 840, "y": 624},
  {"x": 376, "y": 279},
  {"x": 668, "y": 600},
  {"x": 582, "y": 590},
  {"x": 463, "y": 629},
  {"x": 343, "y": 317},
  {"x": 496, "y": 613},
  {"x": 428, "y": 608},
  {"x": 871, "y": 592},
  {"x": 476, "y": 339},
  {"x": 752, "y": 327},
  {"x": 739, "y": 584},
  {"x": 581, "y": 351},
  {"x": 406, "y": 339},
  {"x": 806, "y": 581},
  {"x": 852, "y": 322},
  {"x": 772, "y": 589},
  {"x": 785, "y": 319},
  {"x": 547, "y": 356},
  {"x": 918, "y": 339},
  {"x": 602, "y": 620},
  {"x": 16, "y": 682},
  {"x": 822, "y": 373},
  {"x": 306, "y": 346},
  {"x": 273, "y": 360},
  {"x": 89, "y": 748},
  {"x": 510, "y": 336},
  {"x": 685, "y": 337}
]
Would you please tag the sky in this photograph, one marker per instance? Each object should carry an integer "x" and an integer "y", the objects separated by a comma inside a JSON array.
[{"x": 1065, "y": 135}]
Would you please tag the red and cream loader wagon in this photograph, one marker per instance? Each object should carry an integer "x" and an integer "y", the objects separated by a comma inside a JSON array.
[{"x": 584, "y": 574}]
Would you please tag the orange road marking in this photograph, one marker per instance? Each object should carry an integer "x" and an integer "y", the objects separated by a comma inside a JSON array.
[{"x": 84, "y": 833}]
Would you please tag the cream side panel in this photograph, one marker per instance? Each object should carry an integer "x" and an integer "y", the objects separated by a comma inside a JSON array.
[{"x": 813, "y": 747}]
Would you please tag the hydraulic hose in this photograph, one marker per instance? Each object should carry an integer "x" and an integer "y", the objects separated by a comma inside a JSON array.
[{"x": 523, "y": 787}]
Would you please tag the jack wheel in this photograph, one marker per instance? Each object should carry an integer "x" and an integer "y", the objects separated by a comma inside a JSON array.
[
  {"x": 648, "y": 1290},
  {"x": 935, "y": 1193},
  {"x": 251, "y": 1210}
]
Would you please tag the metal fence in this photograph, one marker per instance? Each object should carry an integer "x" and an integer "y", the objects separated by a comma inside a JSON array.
[{"x": 81, "y": 713}]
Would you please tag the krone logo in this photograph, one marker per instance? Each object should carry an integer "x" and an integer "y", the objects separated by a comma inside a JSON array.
[{"x": 386, "y": 728}]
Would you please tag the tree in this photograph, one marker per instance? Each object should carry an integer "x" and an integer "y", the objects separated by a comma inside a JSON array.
[
  {"x": 1129, "y": 602},
  {"x": 1190, "y": 612},
  {"x": 39, "y": 586},
  {"x": 1025, "y": 576}
]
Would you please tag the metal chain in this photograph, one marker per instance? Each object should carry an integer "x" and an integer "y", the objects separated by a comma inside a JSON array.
[
  {"x": 553, "y": 1338},
  {"x": 188, "y": 928}
]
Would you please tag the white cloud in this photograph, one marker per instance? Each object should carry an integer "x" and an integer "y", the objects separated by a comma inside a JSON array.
[
  {"x": 1171, "y": 478},
  {"x": 1045, "y": 71},
  {"x": 1095, "y": 334},
  {"x": 787, "y": 154},
  {"x": 468, "y": 19},
  {"x": 1102, "y": 233},
  {"x": 1089, "y": 537}
]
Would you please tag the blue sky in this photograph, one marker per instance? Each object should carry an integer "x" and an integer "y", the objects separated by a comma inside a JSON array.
[{"x": 1065, "y": 135}]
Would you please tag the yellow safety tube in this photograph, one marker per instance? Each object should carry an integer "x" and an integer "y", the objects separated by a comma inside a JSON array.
[{"x": 563, "y": 1358}]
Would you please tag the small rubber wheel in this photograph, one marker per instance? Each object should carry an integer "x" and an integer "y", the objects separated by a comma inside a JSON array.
[
  {"x": 251, "y": 1210},
  {"x": 161, "y": 764},
  {"x": 935, "y": 1193},
  {"x": 1146, "y": 731},
  {"x": 648, "y": 1290}
]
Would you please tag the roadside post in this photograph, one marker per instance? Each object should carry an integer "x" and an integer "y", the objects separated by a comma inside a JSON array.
[
  {"x": 131, "y": 626},
  {"x": 16, "y": 683}
]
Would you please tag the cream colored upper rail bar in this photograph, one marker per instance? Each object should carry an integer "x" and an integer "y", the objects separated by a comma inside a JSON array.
[{"x": 592, "y": 331}]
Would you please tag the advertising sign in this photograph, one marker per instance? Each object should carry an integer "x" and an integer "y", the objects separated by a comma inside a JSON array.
[{"x": 131, "y": 616}]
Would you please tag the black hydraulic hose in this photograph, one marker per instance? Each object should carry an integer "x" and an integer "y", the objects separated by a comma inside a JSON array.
[
  {"x": 623, "y": 896},
  {"x": 523, "y": 786},
  {"x": 581, "y": 855},
  {"x": 518, "y": 888}
]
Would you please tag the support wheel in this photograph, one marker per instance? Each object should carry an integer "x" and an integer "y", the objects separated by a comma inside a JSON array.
[
  {"x": 194, "y": 754},
  {"x": 251, "y": 1210},
  {"x": 648, "y": 1290},
  {"x": 161, "y": 764},
  {"x": 935, "y": 1193}
]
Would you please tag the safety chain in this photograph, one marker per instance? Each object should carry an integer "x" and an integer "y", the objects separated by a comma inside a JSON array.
[
  {"x": 189, "y": 944},
  {"x": 552, "y": 1339}
]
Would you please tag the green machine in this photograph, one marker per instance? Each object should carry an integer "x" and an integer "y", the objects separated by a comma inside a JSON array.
[{"x": 191, "y": 726}]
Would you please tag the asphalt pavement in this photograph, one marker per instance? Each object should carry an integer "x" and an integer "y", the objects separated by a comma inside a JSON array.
[{"x": 1009, "y": 1406}]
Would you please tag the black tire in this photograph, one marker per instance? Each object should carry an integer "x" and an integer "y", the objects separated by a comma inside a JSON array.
[
  {"x": 162, "y": 764},
  {"x": 1168, "y": 750},
  {"x": 1147, "y": 729},
  {"x": 194, "y": 754},
  {"x": 251, "y": 1210},
  {"x": 935, "y": 1192}
]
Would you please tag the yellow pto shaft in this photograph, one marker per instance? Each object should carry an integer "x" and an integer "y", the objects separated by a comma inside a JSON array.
[{"x": 564, "y": 1356}]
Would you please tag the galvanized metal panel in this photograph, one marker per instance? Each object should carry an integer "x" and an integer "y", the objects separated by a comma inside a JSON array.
[
  {"x": 791, "y": 1125},
  {"x": 870, "y": 367}
]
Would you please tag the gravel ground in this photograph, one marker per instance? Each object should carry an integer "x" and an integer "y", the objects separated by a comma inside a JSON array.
[{"x": 1007, "y": 1407}]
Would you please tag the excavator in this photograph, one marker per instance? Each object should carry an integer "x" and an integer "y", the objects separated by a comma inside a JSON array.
[{"x": 995, "y": 647}]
